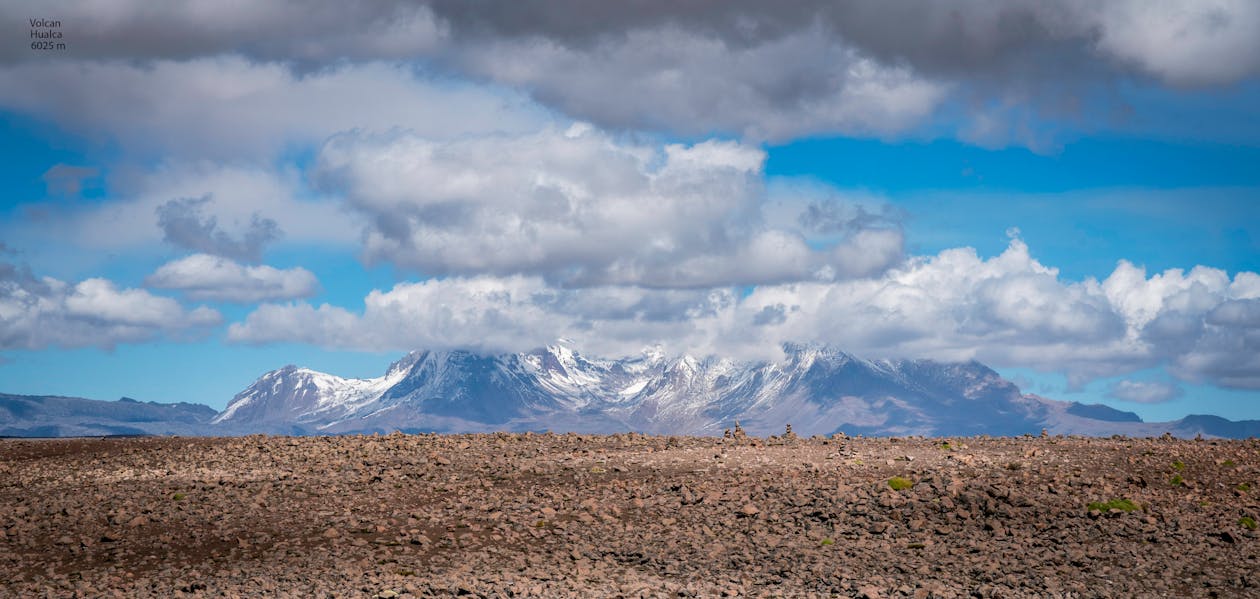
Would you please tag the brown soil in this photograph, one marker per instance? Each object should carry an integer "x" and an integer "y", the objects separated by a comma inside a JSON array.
[{"x": 627, "y": 515}]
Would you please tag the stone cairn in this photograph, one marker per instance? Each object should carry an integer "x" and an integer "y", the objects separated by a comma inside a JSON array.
[
  {"x": 737, "y": 436},
  {"x": 788, "y": 435}
]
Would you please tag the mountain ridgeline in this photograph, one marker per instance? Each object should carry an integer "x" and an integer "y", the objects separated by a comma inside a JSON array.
[
  {"x": 817, "y": 390},
  {"x": 54, "y": 416}
]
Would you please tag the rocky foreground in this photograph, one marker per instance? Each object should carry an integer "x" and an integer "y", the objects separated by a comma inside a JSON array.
[{"x": 629, "y": 516}]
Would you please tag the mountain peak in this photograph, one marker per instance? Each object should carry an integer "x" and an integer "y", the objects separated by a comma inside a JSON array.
[{"x": 405, "y": 363}]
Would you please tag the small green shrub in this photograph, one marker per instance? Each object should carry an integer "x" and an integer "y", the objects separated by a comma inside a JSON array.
[
  {"x": 826, "y": 542},
  {"x": 1244, "y": 487},
  {"x": 178, "y": 496},
  {"x": 1247, "y": 522},
  {"x": 1179, "y": 465},
  {"x": 1123, "y": 505},
  {"x": 1177, "y": 481},
  {"x": 899, "y": 483},
  {"x": 1228, "y": 463}
]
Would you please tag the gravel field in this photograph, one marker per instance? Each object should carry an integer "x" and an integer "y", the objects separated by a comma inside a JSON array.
[{"x": 544, "y": 515}]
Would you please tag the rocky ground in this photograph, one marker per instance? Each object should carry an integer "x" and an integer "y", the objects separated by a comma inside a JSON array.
[{"x": 629, "y": 516}]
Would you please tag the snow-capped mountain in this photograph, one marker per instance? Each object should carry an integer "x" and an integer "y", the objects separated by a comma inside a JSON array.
[{"x": 817, "y": 390}]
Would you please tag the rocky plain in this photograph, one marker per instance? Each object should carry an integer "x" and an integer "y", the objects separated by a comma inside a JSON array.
[{"x": 628, "y": 515}]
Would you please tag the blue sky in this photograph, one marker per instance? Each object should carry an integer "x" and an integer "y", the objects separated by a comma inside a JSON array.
[{"x": 1076, "y": 206}]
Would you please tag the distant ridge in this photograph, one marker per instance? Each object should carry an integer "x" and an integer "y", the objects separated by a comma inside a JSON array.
[{"x": 56, "y": 416}]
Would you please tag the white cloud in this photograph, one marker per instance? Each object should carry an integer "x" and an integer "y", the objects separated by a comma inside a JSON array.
[
  {"x": 583, "y": 208},
  {"x": 484, "y": 313},
  {"x": 40, "y": 313},
  {"x": 213, "y": 278},
  {"x": 513, "y": 313},
  {"x": 1144, "y": 391},
  {"x": 1011, "y": 310},
  {"x": 1227, "y": 350},
  {"x": 1199, "y": 42},
  {"x": 1008, "y": 311}
]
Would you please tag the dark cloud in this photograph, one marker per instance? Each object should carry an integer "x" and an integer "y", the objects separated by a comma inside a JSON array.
[
  {"x": 576, "y": 22},
  {"x": 1239, "y": 314},
  {"x": 1011, "y": 68},
  {"x": 1005, "y": 39},
  {"x": 776, "y": 314},
  {"x": 1007, "y": 70},
  {"x": 832, "y": 216},
  {"x": 184, "y": 226},
  {"x": 14, "y": 277},
  {"x": 943, "y": 38},
  {"x": 279, "y": 31},
  {"x": 64, "y": 179}
]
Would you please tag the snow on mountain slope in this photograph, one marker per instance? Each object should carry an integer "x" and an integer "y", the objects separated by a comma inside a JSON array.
[
  {"x": 301, "y": 395},
  {"x": 818, "y": 390}
]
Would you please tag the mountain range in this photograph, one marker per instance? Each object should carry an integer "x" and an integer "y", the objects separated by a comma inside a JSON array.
[
  {"x": 818, "y": 390},
  {"x": 55, "y": 416}
]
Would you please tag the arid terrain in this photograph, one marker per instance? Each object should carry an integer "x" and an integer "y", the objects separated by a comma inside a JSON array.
[{"x": 546, "y": 515}]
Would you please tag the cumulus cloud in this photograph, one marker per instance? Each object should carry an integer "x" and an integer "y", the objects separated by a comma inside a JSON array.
[
  {"x": 1144, "y": 391},
  {"x": 1227, "y": 350},
  {"x": 580, "y": 207},
  {"x": 487, "y": 313},
  {"x": 214, "y": 278},
  {"x": 183, "y": 225},
  {"x": 1008, "y": 311},
  {"x": 36, "y": 313}
]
